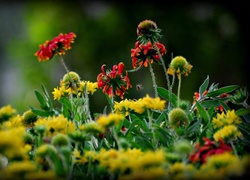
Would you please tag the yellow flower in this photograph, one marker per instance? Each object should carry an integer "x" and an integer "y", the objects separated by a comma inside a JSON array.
[
  {"x": 18, "y": 168},
  {"x": 12, "y": 142},
  {"x": 154, "y": 103},
  {"x": 222, "y": 165},
  {"x": 91, "y": 87},
  {"x": 106, "y": 121},
  {"x": 230, "y": 118},
  {"x": 57, "y": 93},
  {"x": 123, "y": 107},
  {"x": 16, "y": 121},
  {"x": 6, "y": 112},
  {"x": 56, "y": 124},
  {"x": 227, "y": 133}
]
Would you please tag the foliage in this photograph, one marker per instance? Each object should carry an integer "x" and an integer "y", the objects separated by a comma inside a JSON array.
[{"x": 160, "y": 137}]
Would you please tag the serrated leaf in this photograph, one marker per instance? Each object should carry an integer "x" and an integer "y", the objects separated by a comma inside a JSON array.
[
  {"x": 204, "y": 86},
  {"x": 166, "y": 94},
  {"x": 220, "y": 91}
]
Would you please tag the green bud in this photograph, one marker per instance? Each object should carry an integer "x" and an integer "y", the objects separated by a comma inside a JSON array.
[
  {"x": 29, "y": 117},
  {"x": 60, "y": 140},
  {"x": 177, "y": 118}
]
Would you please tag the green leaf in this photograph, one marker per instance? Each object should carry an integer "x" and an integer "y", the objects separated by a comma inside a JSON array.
[
  {"x": 42, "y": 101},
  {"x": 162, "y": 117},
  {"x": 194, "y": 126},
  {"x": 66, "y": 103},
  {"x": 163, "y": 135},
  {"x": 204, "y": 86},
  {"x": 209, "y": 103},
  {"x": 42, "y": 113},
  {"x": 133, "y": 125},
  {"x": 47, "y": 97},
  {"x": 166, "y": 94},
  {"x": 242, "y": 112},
  {"x": 203, "y": 112},
  {"x": 220, "y": 91}
]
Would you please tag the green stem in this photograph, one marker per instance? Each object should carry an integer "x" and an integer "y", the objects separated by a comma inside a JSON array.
[
  {"x": 163, "y": 65},
  {"x": 86, "y": 104},
  {"x": 234, "y": 149},
  {"x": 151, "y": 128},
  {"x": 153, "y": 79},
  {"x": 179, "y": 90},
  {"x": 73, "y": 160}
]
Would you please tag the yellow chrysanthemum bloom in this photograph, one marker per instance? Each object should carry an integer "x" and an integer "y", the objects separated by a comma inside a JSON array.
[
  {"x": 16, "y": 121},
  {"x": 178, "y": 66},
  {"x": 154, "y": 103},
  {"x": 12, "y": 142},
  {"x": 56, "y": 124},
  {"x": 57, "y": 93},
  {"x": 227, "y": 133},
  {"x": 6, "y": 112},
  {"x": 79, "y": 159},
  {"x": 19, "y": 168},
  {"x": 138, "y": 106},
  {"x": 180, "y": 170},
  {"x": 147, "y": 174},
  {"x": 91, "y": 87},
  {"x": 222, "y": 165},
  {"x": 147, "y": 102},
  {"x": 149, "y": 159},
  {"x": 123, "y": 107},
  {"x": 230, "y": 118},
  {"x": 109, "y": 120}
]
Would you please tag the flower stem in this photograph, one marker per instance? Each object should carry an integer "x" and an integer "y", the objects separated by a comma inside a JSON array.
[
  {"x": 179, "y": 90},
  {"x": 153, "y": 79},
  {"x": 234, "y": 149},
  {"x": 64, "y": 65},
  {"x": 163, "y": 65},
  {"x": 151, "y": 128}
]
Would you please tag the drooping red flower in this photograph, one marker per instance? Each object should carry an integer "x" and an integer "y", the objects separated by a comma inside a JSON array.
[
  {"x": 113, "y": 82},
  {"x": 143, "y": 54},
  {"x": 56, "y": 46},
  {"x": 208, "y": 149}
]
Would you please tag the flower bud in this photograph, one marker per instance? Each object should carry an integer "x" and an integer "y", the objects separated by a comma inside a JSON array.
[
  {"x": 71, "y": 79},
  {"x": 60, "y": 140},
  {"x": 177, "y": 118},
  {"x": 29, "y": 117}
]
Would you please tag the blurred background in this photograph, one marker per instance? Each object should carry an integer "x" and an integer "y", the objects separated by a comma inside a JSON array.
[{"x": 212, "y": 36}]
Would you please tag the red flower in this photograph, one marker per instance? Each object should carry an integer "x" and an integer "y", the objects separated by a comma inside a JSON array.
[
  {"x": 113, "y": 82},
  {"x": 57, "y": 46},
  {"x": 208, "y": 149},
  {"x": 143, "y": 54},
  {"x": 218, "y": 108}
]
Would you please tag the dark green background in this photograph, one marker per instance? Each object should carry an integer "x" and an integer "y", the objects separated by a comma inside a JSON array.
[{"x": 213, "y": 37}]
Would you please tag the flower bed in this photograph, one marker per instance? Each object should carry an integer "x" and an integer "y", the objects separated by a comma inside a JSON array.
[{"x": 159, "y": 137}]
